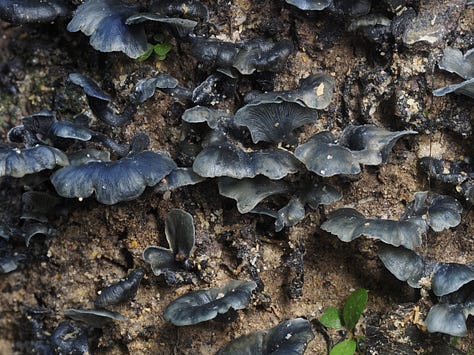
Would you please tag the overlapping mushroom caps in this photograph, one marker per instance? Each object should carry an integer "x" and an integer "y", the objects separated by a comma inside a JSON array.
[
  {"x": 436, "y": 211},
  {"x": 366, "y": 144},
  {"x": 271, "y": 117},
  {"x": 18, "y": 162},
  {"x": 247, "y": 57},
  {"x": 452, "y": 282},
  {"x": 114, "y": 181},
  {"x": 203, "y": 305},
  {"x": 99, "y": 102},
  {"x": 463, "y": 65},
  {"x": 180, "y": 234},
  {"x": 289, "y": 337}
]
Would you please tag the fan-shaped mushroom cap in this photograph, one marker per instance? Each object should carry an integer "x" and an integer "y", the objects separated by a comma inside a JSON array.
[{"x": 200, "y": 306}]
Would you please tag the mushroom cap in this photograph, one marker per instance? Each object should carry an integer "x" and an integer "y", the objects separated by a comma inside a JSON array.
[
  {"x": 96, "y": 318},
  {"x": 449, "y": 318},
  {"x": 116, "y": 181},
  {"x": 200, "y": 306},
  {"x": 104, "y": 22},
  {"x": 321, "y": 155},
  {"x": 120, "y": 291},
  {"x": 20, "y": 162},
  {"x": 227, "y": 159},
  {"x": 274, "y": 122},
  {"x": 454, "y": 61},
  {"x": 250, "y": 192},
  {"x": 348, "y": 224},
  {"x": 290, "y": 337},
  {"x": 404, "y": 264},
  {"x": 450, "y": 277},
  {"x": 310, "y": 5}
]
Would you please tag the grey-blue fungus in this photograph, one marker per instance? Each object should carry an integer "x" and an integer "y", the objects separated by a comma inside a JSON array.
[
  {"x": 10, "y": 263},
  {"x": 99, "y": 102},
  {"x": 115, "y": 181},
  {"x": 294, "y": 211},
  {"x": 177, "y": 178},
  {"x": 310, "y": 5},
  {"x": 348, "y": 224},
  {"x": 324, "y": 155},
  {"x": 33, "y": 11},
  {"x": 105, "y": 22},
  {"x": 250, "y": 192},
  {"x": 427, "y": 209},
  {"x": 181, "y": 27},
  {"x": 97, "y": 318},
  {"x": 18, "y": 162},
  {"x": 463, "y": 65},
  {"x": 275, "y": 122},
  {"x": 321, "y": 155},
  {"x": 290, "y": 337},
  {"x": 180, "y": 234},
  {"x": 38, "y": 205},
  {"x": 449, "y": 318},
  {"x": 199, "y": 114},
  {"x": 227, "y": 159},
  {"x": 121, "y": 291},
  {"x": 203, "y": 305}
]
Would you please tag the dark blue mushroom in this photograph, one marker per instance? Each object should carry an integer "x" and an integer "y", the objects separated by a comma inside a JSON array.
[
  {"x": 180, "y": 234},
  {"x": 115, "y": 181},
  {"x": 105, "y": 22},
  {"x": 200, "y": 306},
  {"x": 33, "y": 11}
]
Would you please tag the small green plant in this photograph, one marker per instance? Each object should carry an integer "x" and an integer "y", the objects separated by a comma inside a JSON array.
[
  {"x": 335, "y": 319},
  {"x": 161, "y": 49}
]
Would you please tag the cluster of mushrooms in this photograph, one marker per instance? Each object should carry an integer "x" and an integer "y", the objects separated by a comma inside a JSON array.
[{"x": 254, "y": 155}]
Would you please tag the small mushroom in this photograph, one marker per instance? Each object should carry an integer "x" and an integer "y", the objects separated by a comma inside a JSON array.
[
  {"x": 259, "y": 55},
  {"x": 203, "y": 305},
  {"x": 11, "y": 263},
  {"x": 199, "y": 114},
  {"x": 250, "y": 192},
  {"x": 105, "y": 22},
  {"x": 112, "y": 182},
  {"x": 33, "y": 11},
  {"x": 145, "y": 88},
  {"x": 348, "y": 224},
  {"x": 440, "y": 211},
  {"x": 310, "y": 5},
  {"x": 370, "y": 144},
  {"x": 179, "y": 177},
  {"x": 222, "y": 158},
  {"x": 121, "y": 291},
  {"x": 17, "y": 162},
  {"x": 99, "y": 101},
  {"x": 290, "y": 337},
  {"x": 449, "y": 318},
  {"x": 321, "y": 155},
  {"x": 181, "y": 27},
  {"x": 463, "y": 65},
  {"x": 97, "y": 318},
  {"x": 180, "y": 234},
  {"x": 275, "y": 122}
]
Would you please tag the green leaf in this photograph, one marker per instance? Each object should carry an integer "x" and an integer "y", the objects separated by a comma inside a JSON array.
[
  {"x": 162, "y": 49},
  {"x": 149, "y": 51},
  {"x": 331, "y": 318},
  {"x": 354, "y": 307},
  {"x": 345, "y": 347}
]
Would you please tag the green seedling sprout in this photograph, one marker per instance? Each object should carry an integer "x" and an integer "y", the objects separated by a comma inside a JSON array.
[
  {"x": 161, "y": 49},
  {"x": 335, "y": 319}
]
